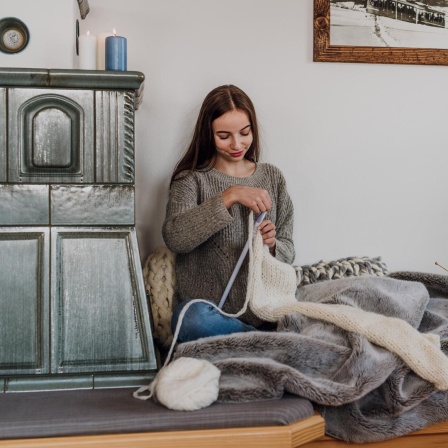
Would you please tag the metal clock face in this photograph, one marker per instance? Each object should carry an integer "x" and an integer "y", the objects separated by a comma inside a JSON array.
[
  {"x": 14, "y": 35},
  {"x": 13, "y": 39}
]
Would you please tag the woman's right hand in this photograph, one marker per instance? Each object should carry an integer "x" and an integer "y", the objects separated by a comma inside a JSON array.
[{"x": 257, "y": 199}]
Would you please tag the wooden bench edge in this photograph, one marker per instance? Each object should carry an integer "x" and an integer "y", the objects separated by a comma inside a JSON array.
[{"x": 288, "y": 436}]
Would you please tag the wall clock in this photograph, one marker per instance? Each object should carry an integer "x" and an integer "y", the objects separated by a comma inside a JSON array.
[{"x": 14, "y": 35}]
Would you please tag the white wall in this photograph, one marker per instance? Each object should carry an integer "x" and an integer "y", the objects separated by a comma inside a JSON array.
[
  {"x": 363, "y": 146},
  {"x": 51, "y": 24}
]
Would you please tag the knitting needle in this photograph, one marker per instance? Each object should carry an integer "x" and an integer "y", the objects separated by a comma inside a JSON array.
[
  {"x": 438, "y": 264},
  {"x": 259, "y": 218}
]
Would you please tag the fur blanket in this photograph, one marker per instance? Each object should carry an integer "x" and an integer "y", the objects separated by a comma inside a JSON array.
[{"x": 364, "y": 392}]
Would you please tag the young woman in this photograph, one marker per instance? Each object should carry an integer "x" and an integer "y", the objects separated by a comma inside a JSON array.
[{"x": 214, "y": 187}]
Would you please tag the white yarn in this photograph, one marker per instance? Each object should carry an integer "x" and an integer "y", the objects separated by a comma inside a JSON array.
[
  {"x": 187, "y": 384},
  {"x": 271, "y": 295}
]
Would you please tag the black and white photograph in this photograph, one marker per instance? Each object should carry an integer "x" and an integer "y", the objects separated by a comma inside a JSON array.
[{"x": 389, "y": 23}]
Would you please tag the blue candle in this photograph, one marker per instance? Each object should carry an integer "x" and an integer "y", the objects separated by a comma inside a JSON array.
[{"x": 116, "y": 53}]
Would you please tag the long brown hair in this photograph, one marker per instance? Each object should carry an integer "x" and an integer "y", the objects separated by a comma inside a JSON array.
[{"x": 200, "y": 154}]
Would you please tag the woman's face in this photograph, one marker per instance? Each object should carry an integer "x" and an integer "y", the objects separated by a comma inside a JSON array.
[{"x": 232, "y": 133}]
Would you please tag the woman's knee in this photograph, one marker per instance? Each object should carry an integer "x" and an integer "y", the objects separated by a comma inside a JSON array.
[
  {"x": 194, "y": 316},
  {"x": 202, "y": 319}
]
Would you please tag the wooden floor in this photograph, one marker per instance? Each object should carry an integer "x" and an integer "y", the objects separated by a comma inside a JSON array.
[{"x": 308, "y": 433}]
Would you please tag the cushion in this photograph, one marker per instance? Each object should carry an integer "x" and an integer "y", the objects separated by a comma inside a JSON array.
[
  {"x": 160, "y": 282},
  {"x": 344, "y": 267},
  {"x": 114, "y": 411}
]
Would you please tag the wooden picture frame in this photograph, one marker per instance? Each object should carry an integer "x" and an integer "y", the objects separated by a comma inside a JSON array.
[{"x": 325, "y": 52}]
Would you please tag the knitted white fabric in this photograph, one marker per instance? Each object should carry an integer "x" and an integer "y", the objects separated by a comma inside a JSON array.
[{"x": 271, "y": 295}]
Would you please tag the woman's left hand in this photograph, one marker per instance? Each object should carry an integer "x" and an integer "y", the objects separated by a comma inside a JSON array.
[{"x": 267, "y": 229}]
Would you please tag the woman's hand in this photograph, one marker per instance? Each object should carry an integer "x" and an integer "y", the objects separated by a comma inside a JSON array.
[
  {"x": 257, "y": 199},
  {"x": 267, "y": 229}
]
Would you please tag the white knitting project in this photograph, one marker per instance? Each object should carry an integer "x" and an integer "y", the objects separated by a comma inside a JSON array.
[{"x": 271, "y": 295}]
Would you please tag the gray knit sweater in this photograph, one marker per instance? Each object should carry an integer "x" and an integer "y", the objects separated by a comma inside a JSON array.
[{"x": 208, "y": 238}]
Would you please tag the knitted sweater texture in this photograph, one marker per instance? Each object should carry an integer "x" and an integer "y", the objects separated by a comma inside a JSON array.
[{"x": 208, "y": 238}]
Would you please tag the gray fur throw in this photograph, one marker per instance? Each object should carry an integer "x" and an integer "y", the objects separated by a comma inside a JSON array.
[{"x": 364, "y": 392}]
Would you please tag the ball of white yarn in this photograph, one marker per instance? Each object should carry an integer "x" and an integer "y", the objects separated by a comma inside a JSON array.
[{"x": 188, "y": 384}]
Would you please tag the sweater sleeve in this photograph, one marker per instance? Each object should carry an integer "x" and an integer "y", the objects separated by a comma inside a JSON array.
[
  {"x": 284, "y": 249},
  {"x": 189, "y": 222}
]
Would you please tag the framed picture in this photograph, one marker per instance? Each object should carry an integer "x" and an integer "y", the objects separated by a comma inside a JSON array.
[{"x": 381, "y": 31}]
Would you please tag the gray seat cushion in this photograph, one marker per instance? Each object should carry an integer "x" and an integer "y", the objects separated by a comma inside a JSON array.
[{"x": 107, "y": 411}]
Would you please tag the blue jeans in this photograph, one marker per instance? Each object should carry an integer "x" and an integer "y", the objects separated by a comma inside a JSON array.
[{"x": 202, "y": 320}]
